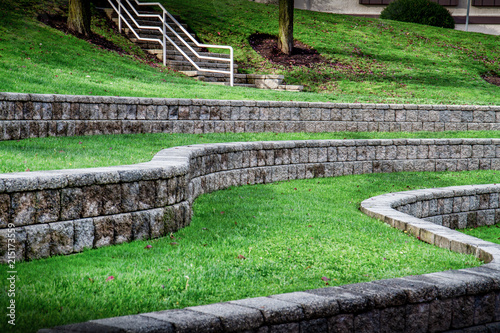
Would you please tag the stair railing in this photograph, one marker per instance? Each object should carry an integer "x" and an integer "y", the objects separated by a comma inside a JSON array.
[{"x": 122, "y": 11}]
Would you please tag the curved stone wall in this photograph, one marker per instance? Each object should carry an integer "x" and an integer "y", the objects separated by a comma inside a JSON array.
[
  {"x": 432, "y": 214},
  {"x": 64, "y": 211},
  {"x": 462, "y": 300},
  {"x": 31, "y": 115}
]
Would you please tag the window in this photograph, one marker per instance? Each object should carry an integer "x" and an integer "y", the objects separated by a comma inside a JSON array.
[
  {"x": 486, "y": 3},
  {"x": 441, "y": 2}
]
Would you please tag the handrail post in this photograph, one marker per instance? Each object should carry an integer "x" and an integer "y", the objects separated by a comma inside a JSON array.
[
  {"x": 231, "y": 66},
  {"x": 164, "y": 39},
  {"x": 119, "y": 16}
]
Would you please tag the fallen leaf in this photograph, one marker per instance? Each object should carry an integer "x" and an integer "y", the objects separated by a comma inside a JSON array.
[
  {"x": 111, "y": 277},
  {"x": 241, "y": 257}
]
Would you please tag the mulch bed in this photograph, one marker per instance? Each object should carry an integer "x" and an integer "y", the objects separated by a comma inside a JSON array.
[
  {"x": 60, "y": 23},
  {"x": 493, "y": 79},
  {"x": 302, "y": 55}
]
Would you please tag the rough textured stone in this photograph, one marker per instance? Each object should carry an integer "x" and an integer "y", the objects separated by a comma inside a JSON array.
[
  {"x": 343, "y": 323},
  {"x": 84, "y": 234},
  {"x": 122, "y": 228},
  {"x": 5, "y": 203},
  {"x": 62, "y": 238},
  {"x": 232, "y": 317},
  {"x": 141, "y": 225},
  {"x": 137, "y": 324},
  {"x": 48, "y": 205},
  {"x": 273, "y": 310},
  {"x": 103, "y": 231},
  {"x": 313, "y": 306},
  {"x": 349, "y": 302},
  {"x": 23, "y": 208},
  {"x": 37, "y": 241},
  {"x": 71, "y": 203},
  {"x": 185, "y": 321}
]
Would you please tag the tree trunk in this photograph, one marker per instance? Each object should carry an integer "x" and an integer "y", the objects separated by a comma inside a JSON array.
[
  {"x": 285, "y": 37},
  {"x": 79, "y": 16}
]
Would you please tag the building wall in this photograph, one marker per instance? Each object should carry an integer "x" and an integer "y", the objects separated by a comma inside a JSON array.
[{"x": 482, "y": 19}]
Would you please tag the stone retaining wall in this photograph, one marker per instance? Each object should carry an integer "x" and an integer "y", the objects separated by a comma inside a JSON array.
[
  {"x": 460, "y": 301},
  {"x": 30, "y": 115},
  {"x": 61, "y": 212}
]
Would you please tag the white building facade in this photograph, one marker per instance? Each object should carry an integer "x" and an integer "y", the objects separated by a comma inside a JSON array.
[{"x": 484, "y": 15}]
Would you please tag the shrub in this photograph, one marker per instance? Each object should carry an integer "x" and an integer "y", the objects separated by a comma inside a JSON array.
[{"x": 418, "y": 11}]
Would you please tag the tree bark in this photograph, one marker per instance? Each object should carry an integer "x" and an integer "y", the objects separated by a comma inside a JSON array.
[
  {"x": 79, "y": 16},
  {"x": 285, "y": 37}
]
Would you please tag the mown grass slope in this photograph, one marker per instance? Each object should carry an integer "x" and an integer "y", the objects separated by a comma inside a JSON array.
[{"x": 370, "y": 60}]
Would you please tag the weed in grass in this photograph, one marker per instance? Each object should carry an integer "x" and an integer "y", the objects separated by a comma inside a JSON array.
[{"x": 243, "y": 242}]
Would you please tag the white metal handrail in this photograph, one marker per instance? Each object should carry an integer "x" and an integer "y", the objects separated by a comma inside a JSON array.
[{"x": 120, "y": 6}]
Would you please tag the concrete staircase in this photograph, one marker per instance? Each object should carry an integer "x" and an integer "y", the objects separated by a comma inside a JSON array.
[{"x": 176, "y": 61}]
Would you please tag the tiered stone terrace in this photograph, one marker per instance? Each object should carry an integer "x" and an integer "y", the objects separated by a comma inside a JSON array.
[
  {"x": 62, "y": 212},
  {"x": 25, "y": 115}
]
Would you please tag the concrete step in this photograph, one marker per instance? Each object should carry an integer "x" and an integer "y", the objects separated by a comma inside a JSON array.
[{"x": 245, "y": 85}]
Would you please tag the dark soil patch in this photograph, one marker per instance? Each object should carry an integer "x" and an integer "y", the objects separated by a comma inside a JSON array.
[
  {"x": 492, "y": 78},
  {"x": 59, "y": 22},
  {"x": 302, "y": 54}
]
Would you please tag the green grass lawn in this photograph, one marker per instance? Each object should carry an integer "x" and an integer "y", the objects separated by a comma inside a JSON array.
[
  {"x": 373, "y": 60},
  {"x": 490, "y": 233},
  {"x": 108, "y": 150},
  {"x": 290, "y": 236}
]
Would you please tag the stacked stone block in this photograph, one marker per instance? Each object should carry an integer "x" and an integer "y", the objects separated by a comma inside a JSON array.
[
  {"x": 61, "y": 212},
  {"x": 29, "y": 115}
]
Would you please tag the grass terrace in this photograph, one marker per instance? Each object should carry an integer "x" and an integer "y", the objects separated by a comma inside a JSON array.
[
  {"x": 52, "y": 153},
  {"x": 368, "y": 60},
  {"x": 290, "y": 236}
]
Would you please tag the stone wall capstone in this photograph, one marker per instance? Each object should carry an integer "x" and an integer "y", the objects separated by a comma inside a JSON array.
[
  {"x": 31, "y": 115},
  {"x": 459, "y": 301}
]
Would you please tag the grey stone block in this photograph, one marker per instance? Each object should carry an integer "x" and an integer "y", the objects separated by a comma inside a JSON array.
[
  {"x": 349, "y": 302},
  {"x": 314, "y": 326},
  {"x": 103, "y": 231},
  {"x": 440, "y": 314},
  {"x": 274, "y": 311},
  {"x": 463, "y": 312},
  {"x": 71, "y": 203},
  {"x": 141, "y": 225},
  {"x": 85, "y": 327},
  {"x": 233, "y": 317},
  {"x": 367, "y": 322},
  {"x": 416, "y": 292},
  {"x": 137, "y": 324},
  {"x": 377, "y": 295},
  {"x": 185, "y": 321},
  {"x": 37, "y": 241},
  {"x": 84, "y": 234},
  {"x": 312, "y": 305},
  {"x": 343, "y": 323},
  {"x": 417, "y": 318},
  {"x": 23, "y": 208},
  {"x": 285, "y": 328},
  {"x": 61, "y": 238}
]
